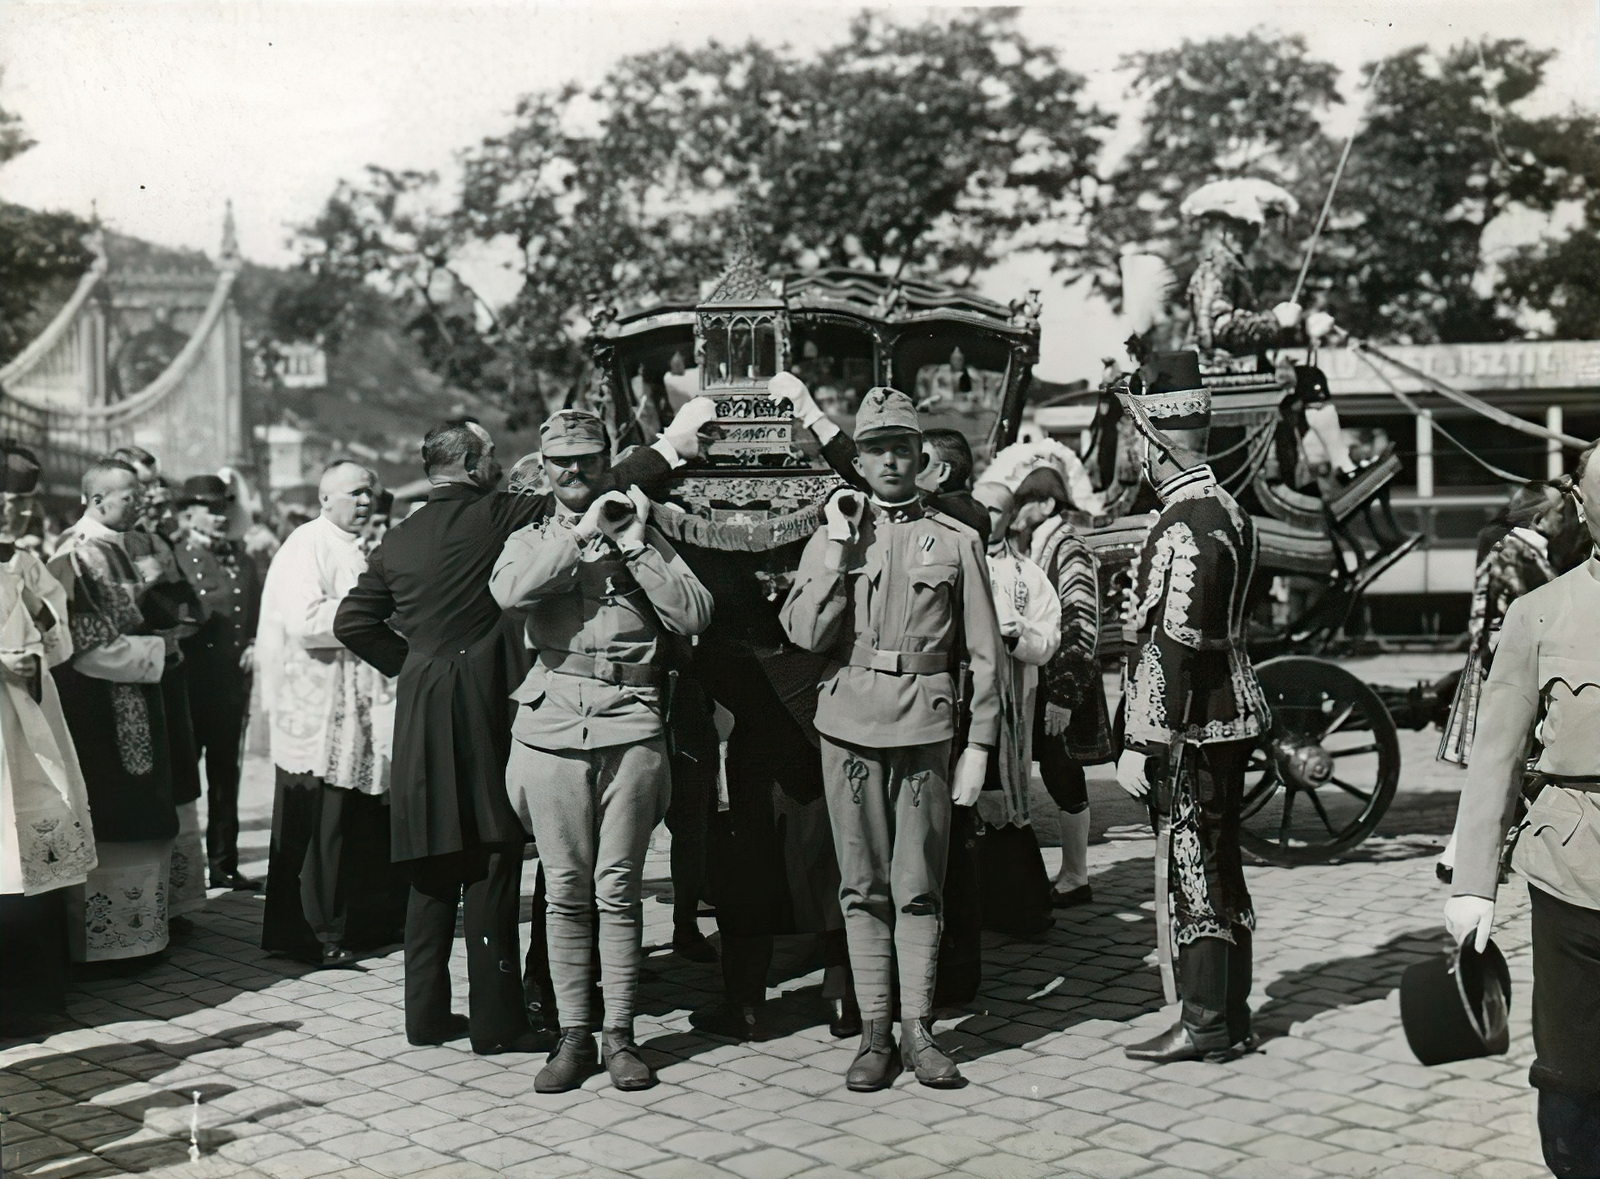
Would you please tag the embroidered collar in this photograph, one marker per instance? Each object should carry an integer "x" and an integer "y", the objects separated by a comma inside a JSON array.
[
  {"x": 899, "y": 513},
  {"x": 91, "y": 529},
  {"x": 1190, "y": 484}
]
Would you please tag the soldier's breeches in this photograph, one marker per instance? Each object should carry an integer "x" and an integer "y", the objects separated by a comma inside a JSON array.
[
  {"x": 890, "y": 810},
  {"x": 591, "y": 813}
]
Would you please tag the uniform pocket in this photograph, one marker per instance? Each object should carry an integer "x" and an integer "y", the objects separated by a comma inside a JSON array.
[{"x": 1554, "y": 816}]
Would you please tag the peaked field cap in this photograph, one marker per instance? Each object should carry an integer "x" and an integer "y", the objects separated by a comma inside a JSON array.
[
  {"x": 203, "y": 489},
  {"x": 886, "y": 411},
  {"x": 569, "y": 433},
  {"x": 1169, "y": 390}
]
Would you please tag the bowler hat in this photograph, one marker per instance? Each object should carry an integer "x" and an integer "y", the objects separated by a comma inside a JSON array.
[
  {"x": 1456, "y": 1006},
  {"x": 204, "y": 489}
]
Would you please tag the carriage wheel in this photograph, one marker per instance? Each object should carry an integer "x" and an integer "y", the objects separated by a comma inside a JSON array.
[{"x": 1321, "y": 780}]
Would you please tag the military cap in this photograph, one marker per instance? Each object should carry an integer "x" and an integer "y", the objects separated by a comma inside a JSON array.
[
  {"x": 1167, "y": 388},
  {"x": 203, "y": 489},
  {"x": 886, "y": 411},
  {"x": 569, "y": 433},
  {"x": 20, "y": 473}
]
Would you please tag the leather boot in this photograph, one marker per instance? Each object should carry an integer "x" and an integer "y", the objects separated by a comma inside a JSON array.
[
  {"x": 573, "y": 1062},
  {"x": 628, "y": 1070},
  {"x": 877, "y": 1063},
  {"x": 1171, "y": 1045},
  {"x": 919, "y": 1053}
]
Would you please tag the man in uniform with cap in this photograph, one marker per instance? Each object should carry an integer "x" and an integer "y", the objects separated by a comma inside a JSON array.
[
  {"x": 220, "y": 659},
  {"x": 605, "y": 597},
  {"x": 1194, "y": 709},
  {"x": 450, "y": 819},
  {"x": 897, "y": 594}
]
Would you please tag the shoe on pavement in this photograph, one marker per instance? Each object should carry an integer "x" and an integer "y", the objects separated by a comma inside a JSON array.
[
  {"x": 877, "y": 1061},
  {"x": 1176, "y": 1044},
  {"x": 919, "y": 1054},
  {"x": 733, "y": 1021},
  {"x": 336, "y": 956},
  {"x": 573, "y": 1061},
  {"x": 629, "y": 1072},
  {"x": 1081, "y": 895},
  {"x": 693, "y": 946},
  {"x": 530, "y": 1042},
  {"x": 453, "y": 1028},
  {"x": 845, "y": 1020},
  {"x": 237, "y": 881}
]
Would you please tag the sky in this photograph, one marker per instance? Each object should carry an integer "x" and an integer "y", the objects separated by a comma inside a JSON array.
[{"x": 155, "y": 113}]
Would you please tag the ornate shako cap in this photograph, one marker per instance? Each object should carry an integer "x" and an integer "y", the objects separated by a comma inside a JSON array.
[
  {"x": 204, "y": 489},
  {"x": 569, "y": 433},
  {"x": 19, "y": 470},
  {"x": 1167, "y": 388},
  {"x": 886, "y": 411}
]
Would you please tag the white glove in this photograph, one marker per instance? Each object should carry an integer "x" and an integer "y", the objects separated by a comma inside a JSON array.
[
  {"x": 1287, "y": 314},
  {"x": 1318, "y": 325},
  {"x": 684, "y": 432},
  {"x": 790, "y": 388},
  {"x": 1464, "y": 915},
  {"x": 1131, "y": 773},
  {"x": 843, "y": 514},
  {"x": 972, "y": 767},
  {"x": 619, "y": 519},
  {"x": 589, "y": 524}
]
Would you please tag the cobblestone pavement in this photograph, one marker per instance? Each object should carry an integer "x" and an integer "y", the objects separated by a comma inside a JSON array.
[{"x": 303, "y": 1073}]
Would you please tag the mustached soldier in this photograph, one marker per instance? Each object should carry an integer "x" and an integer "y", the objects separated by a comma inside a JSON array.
[
  {"x": 898, "y": 594},
  {"x": 1194, "y": 707}
]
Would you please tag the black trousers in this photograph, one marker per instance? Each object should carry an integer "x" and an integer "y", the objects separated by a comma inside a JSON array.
[
  {"x": 218, "y": 710},
  {"x": 486, "y": 883},
  {"x": 35, "y": 972},
  {"x": 1566, "y": 1033}
]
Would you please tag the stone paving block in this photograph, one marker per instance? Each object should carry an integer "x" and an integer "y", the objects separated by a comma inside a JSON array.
[
  {"x": 1201, "y": 1156},
  {"x": 1132, "y": 1138},
  {"x": 789, "y": 1133},
  {"x": 1103, "y": 1163},
  {"x": 300, "y": 1164},
  {"x": 615, "y": 1150},
  {"x": 1000, "y": 1165},
  {"x": 1218, "y": 1131},
  {"x": 905, "y": 1167},
  {"x": 405, "y": 1160},
  {"x": 1252, "y": 1168},
  {"x": 1353, "y": 1163}
]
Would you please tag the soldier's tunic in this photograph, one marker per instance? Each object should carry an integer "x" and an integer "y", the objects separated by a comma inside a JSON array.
[
  {"x": 1542, "y": 699},
  {"x": 897, "y": 611},
  {"x": 1190, "y": 681},
  {"x": 588, "y": 773},
  {"x": 1222, "y": 303},
  {"x": 229, "y": 591}
]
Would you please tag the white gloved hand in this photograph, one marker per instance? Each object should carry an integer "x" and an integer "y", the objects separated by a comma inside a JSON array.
[
  {"x": 843, "y": 514},
  {"x": 790, "y": 388},
  {"x": 618, "y": 517},
  {"x": 1287, "y": 314},
  {"x": 589, "y": 524},
  {"x": 1465, "y": 915},
  {"x": 972, "y": 767},
  {"x": 630, "y": 536},
  {"x": 1318, "y": 325},
  {"x": 684, "y": 432},
  {"x": 1131, "y": 773}
]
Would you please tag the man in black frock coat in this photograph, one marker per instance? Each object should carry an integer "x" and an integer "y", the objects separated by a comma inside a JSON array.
[{"x": 450, "y": 818}]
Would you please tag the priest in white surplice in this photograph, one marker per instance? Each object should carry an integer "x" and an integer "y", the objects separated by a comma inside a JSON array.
[{"x": 329, "y": 881}]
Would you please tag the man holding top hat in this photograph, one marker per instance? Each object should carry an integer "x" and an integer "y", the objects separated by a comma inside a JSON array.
[
  {"x": 1194, "y": 710},
  {"x": 897, "y": 594},
  {"x": 220, "y": 657},
  {"x": 1542, "y": 701}
]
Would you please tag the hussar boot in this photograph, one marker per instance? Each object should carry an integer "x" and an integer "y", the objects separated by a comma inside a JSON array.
[
  {"x": 877, "y": 1063},
  {"x": 921, "y": 1055}
]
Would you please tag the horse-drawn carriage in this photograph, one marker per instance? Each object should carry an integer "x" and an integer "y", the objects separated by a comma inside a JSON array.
[{"x": 1322, "y": 779}]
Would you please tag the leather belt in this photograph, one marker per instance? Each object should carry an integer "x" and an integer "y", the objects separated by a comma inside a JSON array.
[
  {"x": 638, "y": 675},
  {"x": 899, "y": 662},
  {"x": 1585, "y": 783}
]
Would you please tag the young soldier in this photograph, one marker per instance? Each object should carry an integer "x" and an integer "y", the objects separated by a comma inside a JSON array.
[
  {"x": 1194, "y": 708},
  {"x": 897, "y": 594},
  {"x": 588, "y": 773}
]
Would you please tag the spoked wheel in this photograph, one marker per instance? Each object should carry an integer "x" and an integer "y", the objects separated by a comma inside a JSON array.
[{"x": 1321, "y": 780}]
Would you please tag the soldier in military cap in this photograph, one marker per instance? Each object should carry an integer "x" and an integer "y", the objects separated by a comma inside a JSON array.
[
  {"x": 220, "y": 657},
  {"x": 1194, "y": 709},
  {"x": 897, "y": 594},
  {"x": 605, "y": 597}
]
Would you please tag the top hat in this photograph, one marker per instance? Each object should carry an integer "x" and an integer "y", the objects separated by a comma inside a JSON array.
[
  {"x": 886, "y": 411},
  {"x": 571, "y": 433},
  {"x": 204, "y": 489},
  {"x": 1456, "y": 1006},
  {"x": 19, "y": 470},
  {"x": 1311, "y": 384}
]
